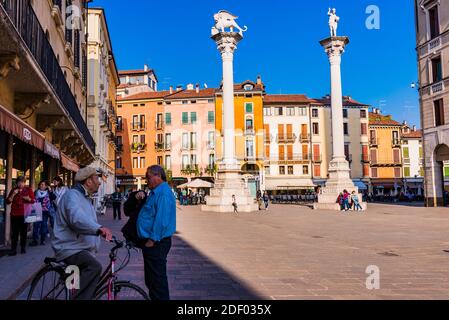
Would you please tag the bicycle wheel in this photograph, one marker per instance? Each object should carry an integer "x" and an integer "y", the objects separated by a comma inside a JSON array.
[
  {"x": 123, "y": 291},
  {"x": 48, "y": 284}
]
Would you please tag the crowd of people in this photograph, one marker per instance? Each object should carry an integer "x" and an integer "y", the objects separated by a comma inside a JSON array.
[{"x": 349, "y": 201}]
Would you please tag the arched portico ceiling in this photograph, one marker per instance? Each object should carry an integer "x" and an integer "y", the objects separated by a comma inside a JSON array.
[{"x": 442, "y": 152}]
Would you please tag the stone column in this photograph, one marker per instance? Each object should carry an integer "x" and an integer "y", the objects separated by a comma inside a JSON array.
[{"x": 9, "y": 162}]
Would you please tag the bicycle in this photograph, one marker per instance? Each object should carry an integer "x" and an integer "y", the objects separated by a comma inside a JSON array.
[{"x": 108, "y": 288}]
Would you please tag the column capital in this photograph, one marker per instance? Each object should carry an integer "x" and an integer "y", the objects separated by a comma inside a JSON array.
[
  {"x": 227, "y": 43},
  {"x": 334, "y": 47}
]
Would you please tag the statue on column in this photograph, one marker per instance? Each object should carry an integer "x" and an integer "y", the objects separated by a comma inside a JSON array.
[
  {"x": 223, "y": 20},
  {"x": 333, "y": 21}
]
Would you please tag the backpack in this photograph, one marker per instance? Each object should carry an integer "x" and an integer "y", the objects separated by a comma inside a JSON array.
[{"x": 131, "y": 209}]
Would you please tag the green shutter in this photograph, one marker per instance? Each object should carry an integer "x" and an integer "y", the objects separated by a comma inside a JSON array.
[
  {"x": 249, "y": 107},
  {"x": 407, "y": 172},
  {"x": 193, "y": 117},
  {"x": 211, "y": 117},
  {"x": 185, "y": 117},
  {"x": 168, "y": 118},
  {"x": 446, "y": 171},
  {"x": 406, "y": 153},
  {"x": 420, "y": 152}
]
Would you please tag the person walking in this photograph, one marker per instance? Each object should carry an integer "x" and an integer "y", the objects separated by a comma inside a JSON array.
[
  {"x": 346, "y": 197},
  {"x": 340, "y": 201},
  {"x": 17, "y": 198},
  {"x": 58, "y": 190},
  {"x": 355, "y": 201},
  {"x": 265, "y": 200},
  {"x": 44, "y": 196},
  {"x": 156, "y": 223},
  {"x": 234, "y": 204},
  {"x": 117, "y": 204},
  {"x": 76, "y": 235}
]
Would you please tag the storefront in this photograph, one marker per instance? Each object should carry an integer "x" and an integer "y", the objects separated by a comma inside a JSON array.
[{"x": 126, "y": 183}]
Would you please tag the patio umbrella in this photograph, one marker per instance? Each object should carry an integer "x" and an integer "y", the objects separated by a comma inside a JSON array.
[{"x": 198, "y": 183}]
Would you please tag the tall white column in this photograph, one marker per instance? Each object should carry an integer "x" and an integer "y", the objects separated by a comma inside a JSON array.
[
  {"x": 337, "y": 105},
  {"x": 227, "y": 44}
]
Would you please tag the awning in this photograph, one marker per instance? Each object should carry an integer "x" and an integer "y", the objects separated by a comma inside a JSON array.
[
  {"x": 51, "y": 150},
  {"x": 10, "y": 123},
  {"x": 195, "y": 184},
  {"x": 360, "y": 184},
  {"x": 68, "y": 163},
  {"x": 290, "y": 184}
]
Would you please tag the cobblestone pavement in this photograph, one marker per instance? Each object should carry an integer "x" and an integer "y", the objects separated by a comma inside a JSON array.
[{"x": 293, "y": 252}]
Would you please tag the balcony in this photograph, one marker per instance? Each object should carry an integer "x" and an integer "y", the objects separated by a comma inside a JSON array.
[
  {"x": 373, "y": 142},
  {"x": 434, "y": 44},
  {"x": 119, "y": 148},
  {"x": 289, "y": 159},
  {"x": 29, "y": 32},
  {"x": 138, "y": 126},
  {"x": 249, "y": 132},
  {"x": 396, "y": 142},
  {"x": 286, "y": 138},
  {"x": 304, "y": 137},
  {"x": 386, "y": 162},
  {"x": 317, "y": 158},
  {"x": 437, "y": 87},
  {"x": 159, "y": 146},
  {"x": 138, "y": 147}
]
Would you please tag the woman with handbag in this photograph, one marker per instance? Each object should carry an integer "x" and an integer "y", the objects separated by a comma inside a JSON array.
[
  {"x": 20, "y": 196},
  {"x": 44, "y": 196}
]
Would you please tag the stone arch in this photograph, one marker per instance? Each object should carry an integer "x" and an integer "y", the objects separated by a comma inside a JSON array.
[{"x": 436, "y": 190}]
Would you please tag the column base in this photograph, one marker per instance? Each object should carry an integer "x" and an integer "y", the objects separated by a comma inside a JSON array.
[{"x": 227, "y": 184}]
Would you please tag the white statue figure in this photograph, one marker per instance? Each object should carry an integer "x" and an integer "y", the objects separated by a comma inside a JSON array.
[
  {"x": 224, "y": 19},
  {"x": 333, "y": 21}
]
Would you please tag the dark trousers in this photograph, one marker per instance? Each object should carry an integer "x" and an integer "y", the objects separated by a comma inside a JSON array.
[
  {"x": 40, "y": 229},
  {"x": 18, "y": 227},
  {"x": 90, "y": 273},
  {"x": 116, "y": 206},
  {"x": 155, "y": 263}
]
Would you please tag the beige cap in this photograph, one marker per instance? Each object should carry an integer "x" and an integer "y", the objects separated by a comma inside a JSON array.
[{"x": 86, "y": 173}]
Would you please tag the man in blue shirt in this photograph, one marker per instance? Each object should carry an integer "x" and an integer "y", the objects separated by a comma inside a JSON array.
[{"x": 155, "y": 226}]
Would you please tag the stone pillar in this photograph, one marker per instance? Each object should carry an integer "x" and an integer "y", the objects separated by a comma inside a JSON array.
[
  {"x": 229, "y": 180},
  {"x": 9, "y": 162},
  {"x": 33, "y": 181},
  {"x": 339, "y": 171}
]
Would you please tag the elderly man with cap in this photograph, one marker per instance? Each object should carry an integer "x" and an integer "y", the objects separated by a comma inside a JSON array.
[{"x": 76, "y": 231}]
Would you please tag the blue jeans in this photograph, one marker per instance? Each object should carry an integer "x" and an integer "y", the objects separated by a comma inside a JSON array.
[
  {"x": 346, "y": 204},
  {"x": 41, "y": 228}
]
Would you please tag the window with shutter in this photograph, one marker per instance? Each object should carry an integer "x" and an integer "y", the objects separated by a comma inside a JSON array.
[{"x": 281, "y": 153}]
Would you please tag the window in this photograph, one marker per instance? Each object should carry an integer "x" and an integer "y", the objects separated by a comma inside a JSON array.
[
  {"x": 119, "y": 123},
  {"x": 185, "y": 102},
  {"x": 267, "y": 151},
  {"x": 211, "y": 160},
  {"x": 193, "y": 160},
  {"x": 290, "y": 169},
  {"x": 119, "y": 106},
  {"x": 373, "y": 172},
  {"x": 281, "y": 152},
  {"x": 135, "y": 139},
  {"x": 142, "y": 104},
  {"x": 372, "y": 136},
  {"x": 345, "y": 113},
  {"x": 364, "y": 128},
  {"x": 421, "y": 171},
  {"x": 420, "y": 153},
  {"x": 248, "y": 107},
  {"x": 317, "y": 170},
  {"x": 211, "y": 139},
  {"x": 405, "y": 152},
  {"x": 373, "y": 156},
  {"x": 281, "y": 170},
  {"x": 397, "y": 172},
  {"x": 159, "y": 120},
  {"x": 267, "y": 170},
  {"x": 396, "y": 156},
  {"x": 446, "y": 171},
  {"x": 363, "y": 114},
  {"x": 439, "y": 112},
  {"x": 168, "y": 162},
  {"x": 185, "y": 161},
  {"x": 168, "y": 140},
  {"x": 314, "y": 113},
  {"x": 434, "y": 22},
  {"x": 193, "y": 140},
  {"x": 305, "y": 169},
  {"x": 135, "y": 163},
  {"x": 437, "y": 71},
  {"x": 267, "y": 111},
  {"x": 119, "y": 140},
  {"x": 249, "y": 148},
  {"x": 278, "y": 111},
  {"x": 118, "y": 163},
  {"x": 406, "y": 172},
  {"x": 142, "y": 138},
  {"x": 248, "y": 87},
  {"x": 210, "y": 117},
  {"x": 290, "y": 111},
  {"x": 168, "y": 118},
  {"x": 302, "y": 111},
  {"x": 249, "y": 124},
  {"x": 345, "y": 128},
  {"x": 185, "y": 140},
  {"x": 76, "y": 49},
  {"x": 315, "y": 128},
  {"x": 135, "y": 105},
  {"x": 142, "y": 121},
  {"x": 185, "y": 118},
  {"x": 210, "y": 101},
  {"x": 193, "y": 117}
]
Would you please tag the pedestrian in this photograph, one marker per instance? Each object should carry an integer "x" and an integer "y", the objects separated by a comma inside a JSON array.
[
  {"x": 183, "y": 197},
  {"x": 156, "y": 223},
  {"x": 45, "y": 197},
  {"x": 234, "y": 204},
  {"x": 346, "y": 197},
  {"x": 58, "y": 190},
  {"x": 265, "y": 199},
  {"x": 117, "y": 204},
  {"x": 355, "y": 201},
  {"x": 76, "y": 235},
  {"x": 259, "y": 199},
  {"x": 17, "y": 198},
  {"x": 340, "y": 201}
]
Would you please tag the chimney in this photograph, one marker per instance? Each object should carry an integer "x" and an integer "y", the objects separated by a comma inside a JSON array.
[
  {"x": 145, "y": 67},
  {"x": 179, "y": 88},
  {"x": 190, "y": 86},
  {"x": 404, "y": 123},
  {"x": 171, "y": 89},
  {"x": 414, "y": 128},
  {"x": 259, "y": 79},
  {"x": 197, "y": 88}
]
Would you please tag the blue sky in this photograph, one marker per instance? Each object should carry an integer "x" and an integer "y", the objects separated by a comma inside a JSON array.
[{"x": 281, "y": 44}]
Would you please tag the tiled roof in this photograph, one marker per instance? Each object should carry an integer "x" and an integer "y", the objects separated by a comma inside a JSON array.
[
  {"x": 146, "y": 95},
  {"x": 379, "y": 119},
  {"x": 188, "y": 94},
  {"x": 239, "y": 87},
  {"x": 286, "y": 98},
  {"x": 413, "y": 134},
  {"x": 347, "y": 102},
  {"x": 129, "y": 85},
  {"x": 134, "y": 72}
]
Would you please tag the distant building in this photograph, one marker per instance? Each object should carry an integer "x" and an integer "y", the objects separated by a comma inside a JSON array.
[
  {"x": 432, "y": 42},
  {"x": 412, "y": 159},
  {"x": 137, "y": 81}
]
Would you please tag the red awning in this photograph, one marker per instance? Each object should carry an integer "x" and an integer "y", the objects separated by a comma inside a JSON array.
[
  {"x": 68, "y": 163},
  {"x": 12, "y": 124}
]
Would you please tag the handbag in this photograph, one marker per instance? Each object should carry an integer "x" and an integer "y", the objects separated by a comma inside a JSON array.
[{"x": 32, "y": 212}]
